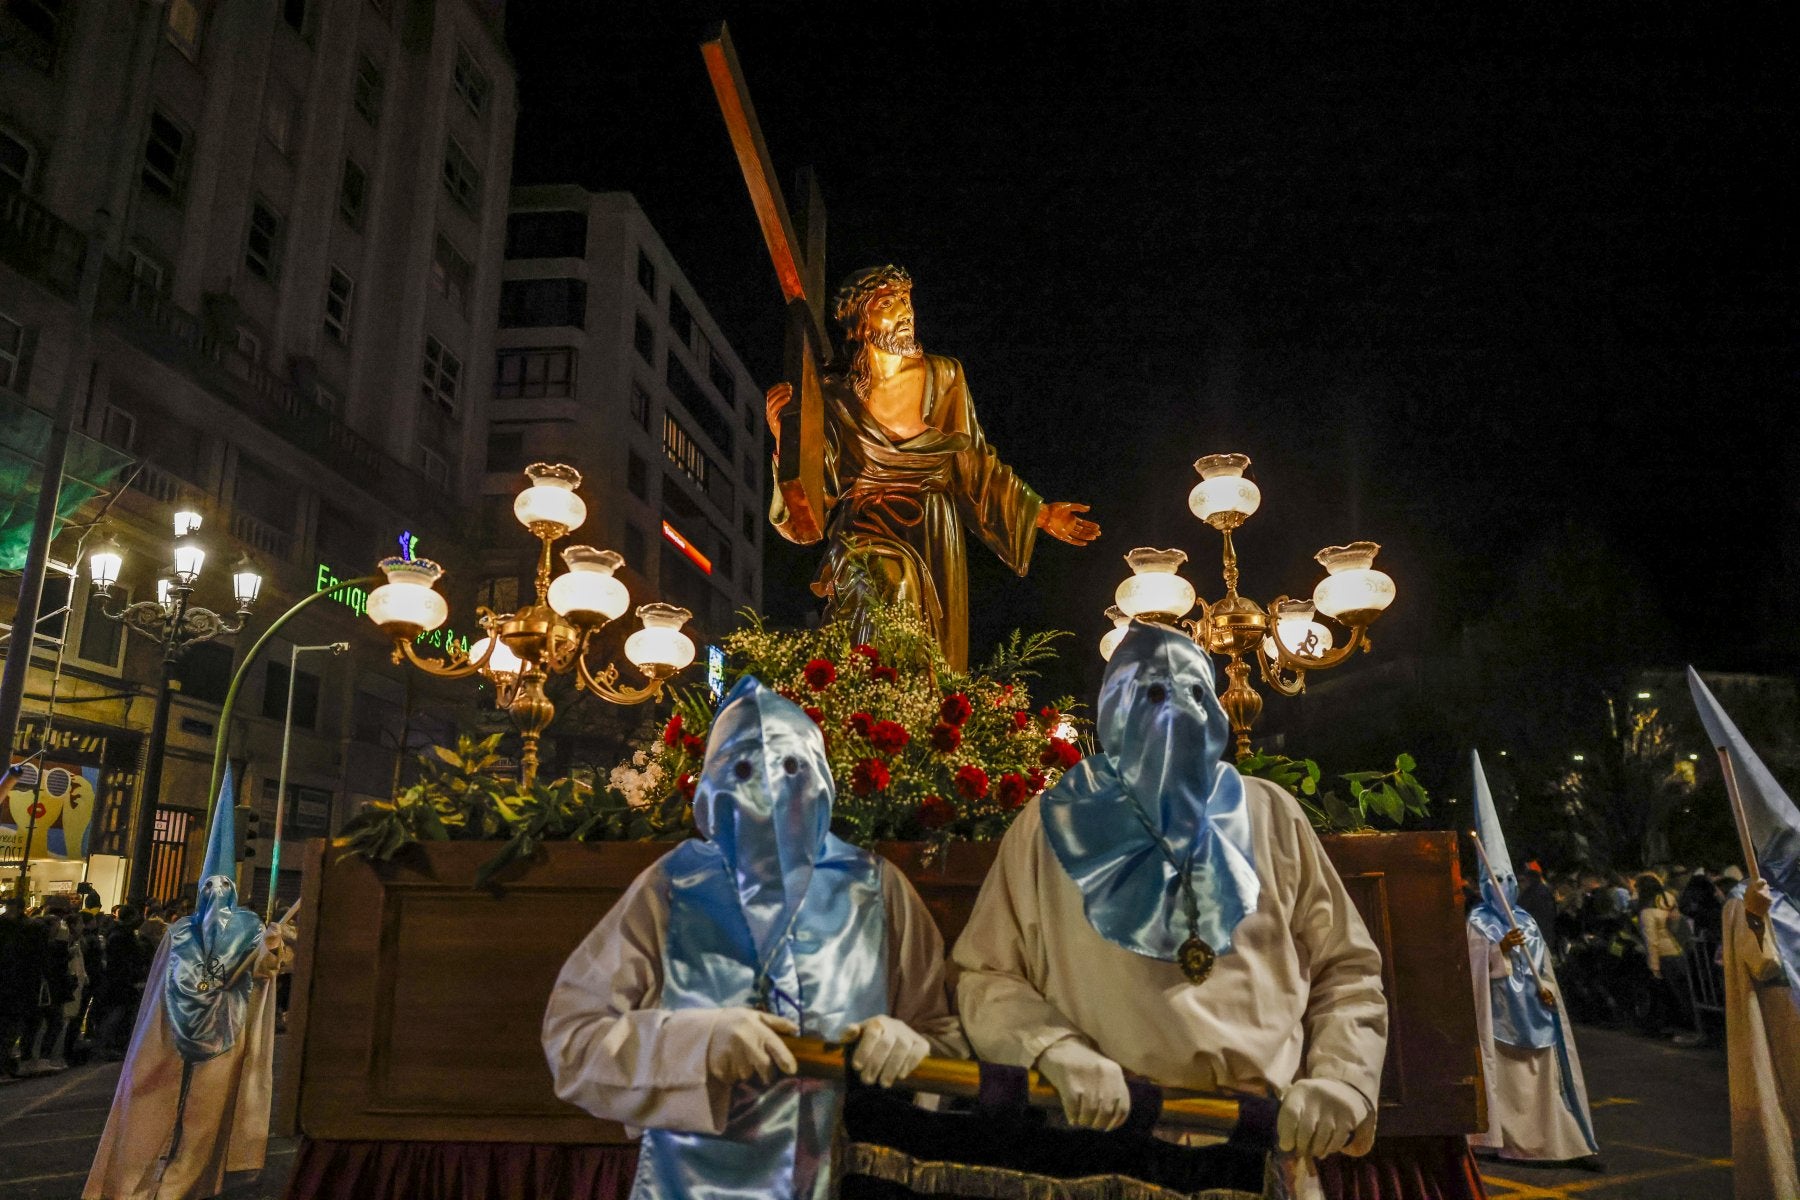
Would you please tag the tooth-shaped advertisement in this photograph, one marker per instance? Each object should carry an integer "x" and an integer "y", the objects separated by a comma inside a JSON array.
[{"x": 59, "y": 796}]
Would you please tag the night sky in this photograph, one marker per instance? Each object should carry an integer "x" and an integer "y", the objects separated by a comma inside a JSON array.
[{"x": 1468, "y": 285}]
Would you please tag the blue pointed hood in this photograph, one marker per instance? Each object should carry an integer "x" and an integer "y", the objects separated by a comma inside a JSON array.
[
  {"x": 208, "y": 987},
  {"x": 1493, "y": 840},
  {"x": 221, "y": 835},
  {"x": 1773, "y": 821}
]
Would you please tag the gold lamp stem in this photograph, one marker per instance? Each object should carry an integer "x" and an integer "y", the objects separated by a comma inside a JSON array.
[
  {"x": 1231, "y": 566},
  {"x": 547, "y": 534},
  {"x": 531, "y": 711},
  {"x": 1241, "y": 703}
]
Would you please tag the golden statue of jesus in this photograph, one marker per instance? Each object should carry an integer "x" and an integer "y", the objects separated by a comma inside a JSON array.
[{"x": 906, "y": 468}]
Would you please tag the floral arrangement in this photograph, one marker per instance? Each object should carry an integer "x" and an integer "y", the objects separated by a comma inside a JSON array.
[{"x": 918, "y": 751}]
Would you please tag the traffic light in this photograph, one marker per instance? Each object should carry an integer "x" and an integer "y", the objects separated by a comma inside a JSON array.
[{"x": 249, "y": 830}]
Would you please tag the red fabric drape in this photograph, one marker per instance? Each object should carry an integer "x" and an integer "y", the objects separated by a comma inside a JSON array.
[
  {"x": 460, "y": 1171},
  {"x": 1405, "y": 1168}
]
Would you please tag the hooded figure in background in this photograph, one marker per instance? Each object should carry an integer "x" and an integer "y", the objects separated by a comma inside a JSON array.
[
  {"x": 1762, "y": 971},
  {"x": 667, "y": 1017},
  {"x": 1536, "y": 1098},
  {"x": 1160, "y": 913},
  {"x": 191, "y": 1111}
]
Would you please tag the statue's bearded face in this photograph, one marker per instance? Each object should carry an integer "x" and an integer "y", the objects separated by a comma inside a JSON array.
[{"x": 887, "y": 323}]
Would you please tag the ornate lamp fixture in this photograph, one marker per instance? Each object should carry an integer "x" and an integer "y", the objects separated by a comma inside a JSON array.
[
  {"x": 1290, "y": 638},
  {"x": 551, "y": 636}
]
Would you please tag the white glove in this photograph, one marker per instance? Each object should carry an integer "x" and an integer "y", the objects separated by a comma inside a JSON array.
[
  {"x": 1092, "y": 1086},
  {"x": 1319, "y": 1116},
  {"x": 744, "y": 1046},
  {"x": 888, "y": 1049}
]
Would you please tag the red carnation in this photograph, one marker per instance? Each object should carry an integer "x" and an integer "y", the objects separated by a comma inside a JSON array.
[
  {"x": 685, "y": 785},
  {"x": 820, "y": 674},
  {"x": 1012, "y": 790},
  {"x": 862, "y": 722},
  {"x": 935, "y": 812},
  {"x": 867, "y": 651},
  {"x": 672, "y": 731},
  {"x": 971, "y": 782},
  {"x": 955, "y": 709},
  {"x": 1037, "y": 781},
  {"x": 1060, "y": 753},
  {"x": 885, "y": 675},
  {"x": 1021, "y": 719},
  {"x": 945, "y": 738},
  {"x": 870, "y": 775},
  {"x": 694, "y": 745},
  {"x": 817, "y": 715},
  {"x": 1049, "y": 716},
  {"x": 888, "y": 736}
]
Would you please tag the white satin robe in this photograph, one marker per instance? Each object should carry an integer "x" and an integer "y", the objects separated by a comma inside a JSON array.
[{"x": 1762, "y": 1048}]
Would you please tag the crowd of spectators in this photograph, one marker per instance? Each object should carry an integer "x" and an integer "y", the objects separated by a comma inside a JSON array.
[{"x": 71, "y": 977}]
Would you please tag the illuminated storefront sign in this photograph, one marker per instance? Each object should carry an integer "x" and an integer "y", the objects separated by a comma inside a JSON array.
[
  {"x": 356, "y": 599},
  {"x": 687, "y": 548},
  {"x": 715, "y": 671}
]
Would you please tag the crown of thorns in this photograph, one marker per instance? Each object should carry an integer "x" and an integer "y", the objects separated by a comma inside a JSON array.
[{"x": 861, "y": 287}]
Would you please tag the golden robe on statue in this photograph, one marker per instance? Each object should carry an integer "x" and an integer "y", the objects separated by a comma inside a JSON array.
[{"x": 896, "y": 509}]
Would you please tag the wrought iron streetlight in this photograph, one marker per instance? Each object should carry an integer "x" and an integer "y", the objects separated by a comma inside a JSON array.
[
  {"x": 176, "y": 624},
  {"x": 1286, "y": 639},
  {"x": 552, "y": 636}
]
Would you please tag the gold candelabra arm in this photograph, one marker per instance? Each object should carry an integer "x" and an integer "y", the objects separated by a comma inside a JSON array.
[
  {"x": 1281, "y": 681},
  {"x": 1299, "y": 664},
  {"x": 605, "y": 683}
]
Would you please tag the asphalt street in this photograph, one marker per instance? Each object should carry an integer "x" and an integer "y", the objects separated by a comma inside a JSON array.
[{"x": 1660, "y": 1112}]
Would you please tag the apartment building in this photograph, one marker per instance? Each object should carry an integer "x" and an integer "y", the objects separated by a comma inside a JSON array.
[
  {"x": 607, "y": 359},
  {"x": 303, "y": 206}
]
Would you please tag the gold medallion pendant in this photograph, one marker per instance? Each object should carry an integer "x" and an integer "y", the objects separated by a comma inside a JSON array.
[{"x": 1196, "y": 959}]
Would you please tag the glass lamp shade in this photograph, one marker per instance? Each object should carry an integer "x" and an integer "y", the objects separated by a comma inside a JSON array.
[
  {"x": 163, "y": 588},
  {"x": 1110, "y": 641},
  {"x": 550, "y": 498},
  {"x": 660, "y": 644},
  {"x": 408, "y": 604},
  {"x": 502, "y": 662},
  {"x": 589, "y": 592},
  {"x": 1300, "y": 635},
  {"x": 1154, "y": 588},
  {"x": 104, "y": 563},
  {"x": 1223, "y": 493},
  {"x": 246, "y": 582},
  {"x": 1354, "y": 592},
  {"x": 190, "y": 557},
  {"x": 187, "y": 522}
]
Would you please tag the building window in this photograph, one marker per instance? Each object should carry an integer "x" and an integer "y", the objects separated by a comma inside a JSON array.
[
  {"x": 722, "y": 381},
  {"x": 328, "y": 400},
  {"x": 101, "y": 641},
  {"x": 530, "y": 374},
  {"x": 262, "y": 249},
  {"x": 369, "y": 86},
  {"x": 637, "y": 475},
  {"x": 681, "y": 320},
  {"x": 451, "y": 275},
  {"x": 646, "y": 274},
  {"x": 705, "y": 411},
  {"x": 471, "y": 82},
  {"x": 640, "y": 405},
  {"x": 249, "y": 345},
  {"x": 636, "y": 551},
  {"x": 205, "y": 672},
  {"x": 146, "y": 272},
  {"x": 643, "y": 336},
  {"x": 165, "y": 156},
  {"x": 306, "y": 696},
  {"x": 185, "y": 23},
  {"x": 506, "y": 450},
  {"x": 338, "y": 293},
  {"x": 749, "y": 524},
  {"x": 295, "y": 13},
  {"x": 12, "y": 353},
  {"x": 555, "y": 234},
  {"x": 442, "y": 375},
  {"x": 15, "y": 160},
  {"x": 536, "y": 303},
  {"x": 500, "y": 593},
  {"x": 280, "y": 111},
  {"x": 434, "y": 466},
  {"x": 118, "y": 428},
  {"x": 461, "y": 177},
  {"x": 684, "y": 451},
  {"x": 353, "y": 194}
]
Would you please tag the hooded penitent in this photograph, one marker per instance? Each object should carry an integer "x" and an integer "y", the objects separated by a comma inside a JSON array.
[
  {"x": 1521, "y": 1018},
  {"x": 208, "y": 990},
  {"x": 1155, "y": 830},
  {"x": 1774, "y": 827},
  {"x": 771, "y": 910}
]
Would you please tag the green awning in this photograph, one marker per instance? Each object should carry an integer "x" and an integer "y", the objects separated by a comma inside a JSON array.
[{"x": 90, "y": 468}]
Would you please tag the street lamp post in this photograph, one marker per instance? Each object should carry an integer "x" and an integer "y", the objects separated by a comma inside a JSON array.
[
  {"x": 551, "y": 636},
  {"x": 1285, "y": 640},
  {"x": 177, "y": 624}
]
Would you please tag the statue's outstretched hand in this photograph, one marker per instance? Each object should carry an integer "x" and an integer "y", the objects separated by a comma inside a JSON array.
[
  {"x": 775, "y": 401},
  {"x": 1059, "y": 519}
]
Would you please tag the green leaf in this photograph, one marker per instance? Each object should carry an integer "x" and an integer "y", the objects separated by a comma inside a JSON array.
[
  {"x": 1364, "y": 776},
  {"x": 447, "y": 756},
  {"x": 1386, "y": 801},
  {"x": 1405, "y": 762},
  {"x": 1342, "y": 817}
]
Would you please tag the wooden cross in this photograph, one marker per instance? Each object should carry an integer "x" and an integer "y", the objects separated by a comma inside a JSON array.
[{"x": 798, "y": 252}]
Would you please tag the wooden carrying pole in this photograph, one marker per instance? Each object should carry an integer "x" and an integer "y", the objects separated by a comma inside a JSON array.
[
  {"x": 1745, "y": 842},
  {"x": 1185, "y": 1109},
  {"x": 1487, "y": 868}
]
